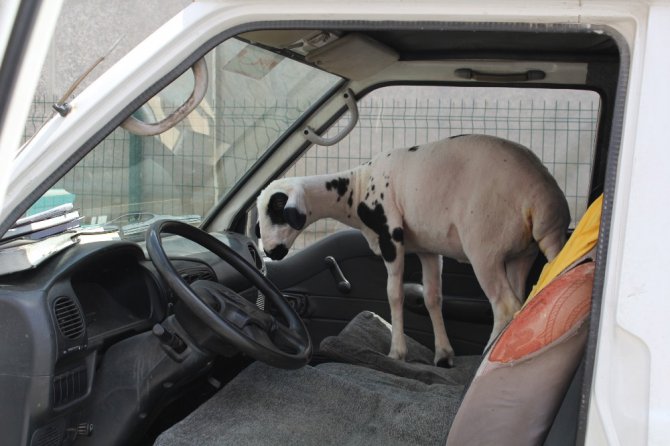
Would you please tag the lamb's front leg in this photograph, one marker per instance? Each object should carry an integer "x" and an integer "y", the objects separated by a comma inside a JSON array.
[
  {"x": 431, "y": 268},
  {"x": 396, "y": 298}
]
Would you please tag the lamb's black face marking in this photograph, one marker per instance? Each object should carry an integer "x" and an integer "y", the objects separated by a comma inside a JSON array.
[
  {"x": 276, "y": 207},
  {"x": 278, "y": 252},
  {"x": 295, "y": 218},
  {"x": 414, "y": 148},
  {"x": 375, "y": 219},
  {"x": 341, "y": 185}
]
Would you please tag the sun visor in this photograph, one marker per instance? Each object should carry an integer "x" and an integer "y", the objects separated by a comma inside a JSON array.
[{"x": 353, "y": 56}]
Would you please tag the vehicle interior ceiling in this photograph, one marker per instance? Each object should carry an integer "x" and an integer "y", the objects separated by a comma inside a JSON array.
[{"x": 367, "y": 57}]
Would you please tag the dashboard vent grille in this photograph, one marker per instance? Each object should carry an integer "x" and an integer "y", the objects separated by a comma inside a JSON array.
[
  {"x": 256, "y": 257},
  {"x": 69, "y": 386},
  {"x": 68, "y": 317},
  {"x": 50, "y": 435},
  {"x": 258, "y": 261}
]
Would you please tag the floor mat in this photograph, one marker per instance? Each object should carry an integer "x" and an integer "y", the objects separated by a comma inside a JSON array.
[
  {"x": 366, "y": 341},
  {"x": 331, "y": 404}
]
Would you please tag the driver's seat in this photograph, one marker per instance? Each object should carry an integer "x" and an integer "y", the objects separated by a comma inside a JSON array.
[{"x": 512, "y": 399}]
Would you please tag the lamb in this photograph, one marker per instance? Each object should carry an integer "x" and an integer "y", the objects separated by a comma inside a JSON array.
[{"x": 473, "y": 198}]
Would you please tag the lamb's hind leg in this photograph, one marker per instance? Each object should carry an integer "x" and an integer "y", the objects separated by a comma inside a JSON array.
[
  {"x": 493, "y": 280},
  {"x": 431, "y": 267},
  {"x": 517, "y": 270}
]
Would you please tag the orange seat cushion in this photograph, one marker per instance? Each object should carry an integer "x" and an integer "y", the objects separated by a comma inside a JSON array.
[{"x": 550, "y": 315}]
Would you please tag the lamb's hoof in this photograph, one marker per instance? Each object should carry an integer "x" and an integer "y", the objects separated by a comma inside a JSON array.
[
  {"x": 400, "y": 356},
  {"x": 444, "y": 357},
  {"x": 446, "y": 363}
]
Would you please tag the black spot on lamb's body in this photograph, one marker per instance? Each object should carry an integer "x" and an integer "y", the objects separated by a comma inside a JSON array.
[
  {"x": 341, "y": 185},
  {"x": 375, "y": 219},
  {"x": 414, "y": 148},
  {"x": 398, "y": 235}
]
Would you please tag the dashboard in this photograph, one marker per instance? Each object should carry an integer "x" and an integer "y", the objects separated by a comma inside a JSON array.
[{"x": 61, "y": 317}]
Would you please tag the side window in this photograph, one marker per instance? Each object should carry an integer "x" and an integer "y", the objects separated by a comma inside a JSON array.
[{"x": 559, "y": 126}]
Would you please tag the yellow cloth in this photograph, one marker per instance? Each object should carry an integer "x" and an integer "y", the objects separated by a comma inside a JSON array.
[{"x": 582, "y": 240}]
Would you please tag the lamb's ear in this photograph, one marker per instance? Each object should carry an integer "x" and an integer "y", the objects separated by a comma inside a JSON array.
[{"x": 295, "y": 211}]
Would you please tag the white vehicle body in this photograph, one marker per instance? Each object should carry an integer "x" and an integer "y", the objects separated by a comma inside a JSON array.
[{"x": 630, "y": 394}]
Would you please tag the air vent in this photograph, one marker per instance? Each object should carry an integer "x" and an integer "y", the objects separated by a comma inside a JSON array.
[
  {"x": 69, "y": 386},
  {"x": 68, "y": 317},
  {"x": 258, "y": 261},
  {"x": 256, "y": 257},
  {"x": 50, "y": 435}
]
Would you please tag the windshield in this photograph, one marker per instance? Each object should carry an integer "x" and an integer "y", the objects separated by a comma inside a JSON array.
[{"x": 127, "y": 182}]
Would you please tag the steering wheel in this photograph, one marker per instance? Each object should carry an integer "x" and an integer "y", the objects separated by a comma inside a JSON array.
[{"x": 231, "y": 317}]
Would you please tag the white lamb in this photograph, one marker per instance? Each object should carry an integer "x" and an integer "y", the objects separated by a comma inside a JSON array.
[{"x": 473, "y": 198}]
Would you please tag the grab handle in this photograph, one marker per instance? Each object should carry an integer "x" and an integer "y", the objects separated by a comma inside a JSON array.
[
  {"x": 482, "y": 76},
  {"x": 200, "y": 80},
  {"x": 311, "y": 135}
]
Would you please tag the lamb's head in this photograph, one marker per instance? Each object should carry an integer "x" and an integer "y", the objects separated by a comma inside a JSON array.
[{"x": 282, "y": 215}]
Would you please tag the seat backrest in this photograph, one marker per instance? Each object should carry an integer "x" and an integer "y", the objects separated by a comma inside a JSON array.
[{"x": 520, "y": 384}]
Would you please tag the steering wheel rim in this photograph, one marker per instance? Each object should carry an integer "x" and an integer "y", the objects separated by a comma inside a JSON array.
[{"x": 244, "y": 338}]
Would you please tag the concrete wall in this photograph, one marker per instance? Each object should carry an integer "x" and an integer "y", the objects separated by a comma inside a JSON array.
[{"x": 88, "y": 28}]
